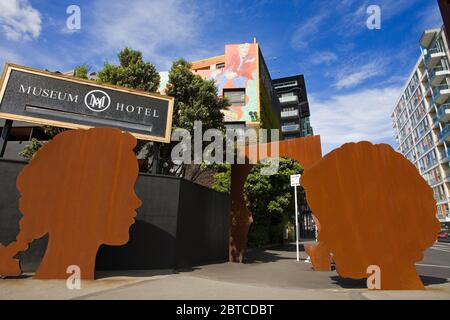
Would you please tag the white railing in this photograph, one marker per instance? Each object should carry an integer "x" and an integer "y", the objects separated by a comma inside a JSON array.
[
  {"x": 290, "y": 128},
  {"x": 288, "y": 99},
  {"x": 291, "y": 113}
]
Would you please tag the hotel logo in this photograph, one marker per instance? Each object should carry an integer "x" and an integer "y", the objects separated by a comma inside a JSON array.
[{"x": 97, "y": 100}]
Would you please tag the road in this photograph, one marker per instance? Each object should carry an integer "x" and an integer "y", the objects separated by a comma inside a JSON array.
[{"x": 436, "y": 262}]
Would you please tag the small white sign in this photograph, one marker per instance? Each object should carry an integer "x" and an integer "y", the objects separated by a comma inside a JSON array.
[{"x": 295, "y": 180}]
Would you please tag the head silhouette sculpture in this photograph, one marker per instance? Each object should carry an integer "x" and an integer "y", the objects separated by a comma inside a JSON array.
[
  {"x": 78, "y": 189},
  {"x": 374, "y": 208}
]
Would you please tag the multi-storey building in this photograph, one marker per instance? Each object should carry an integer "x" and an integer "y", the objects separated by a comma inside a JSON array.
[
  {"x": 242, "y": 76},
  {"x": 422, "y": 118},
  {"x": 294, "y": 107}
]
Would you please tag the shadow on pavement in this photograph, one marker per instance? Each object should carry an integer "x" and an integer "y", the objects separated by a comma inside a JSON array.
[
  {"x": 347, "y": 283},
  {"x": 428, "y": 280}
]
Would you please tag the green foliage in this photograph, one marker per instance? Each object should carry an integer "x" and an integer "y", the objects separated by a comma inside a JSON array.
[
  {"x": 258, "y": 235},
  {"x": 270, "y": 198},
  {"x": 132, "y": 72},
  {"x": 29, "y": 150},
  {"x": 81, "y": 71},
  {"x": 196, "y": 99},
  {"x": 222, "y": 179}
]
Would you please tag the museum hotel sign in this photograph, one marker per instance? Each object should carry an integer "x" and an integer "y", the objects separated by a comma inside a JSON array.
[{"x": 46, "y": 98}]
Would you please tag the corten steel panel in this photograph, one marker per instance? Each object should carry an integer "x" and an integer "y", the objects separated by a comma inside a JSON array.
[
  {"x": 444, "y": 5},
  {"x": 10, "y": 215},
  {"x": 168, "y": 223},
  {"x": 78, "y": 189},
  {"x": 374, "y": 208},
  {"x": 320, "y": 256},
  {"x": 307, "y": 151}
]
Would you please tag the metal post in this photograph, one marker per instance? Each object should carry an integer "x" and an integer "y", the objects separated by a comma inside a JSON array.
[
  {"x": 155, "y": 158},
  {"x": 4, "y": 137},
  {"x": 296, "y": 222}
]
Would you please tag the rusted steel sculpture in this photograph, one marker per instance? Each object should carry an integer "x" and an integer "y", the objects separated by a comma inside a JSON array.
[
  {"x": 319, "y": 254},
  {"x": 375, "y": 209},
  {"x": 305, "y": 150},
  {"x": 78, "y": 189}
]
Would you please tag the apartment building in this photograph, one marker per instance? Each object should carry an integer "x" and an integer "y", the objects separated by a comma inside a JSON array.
[
  {"x": 295, "y": 112},
  {"x": 242, "y": 76},
  {"x": 421, "y": 118}
]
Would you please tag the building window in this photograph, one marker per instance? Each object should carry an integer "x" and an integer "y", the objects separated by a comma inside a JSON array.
[
  {"x": 236, "y": 97},
  {"x": 220, "y": 65}
]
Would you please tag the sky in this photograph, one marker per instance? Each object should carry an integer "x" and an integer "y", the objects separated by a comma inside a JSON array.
[{"x": 354, "y": 75}]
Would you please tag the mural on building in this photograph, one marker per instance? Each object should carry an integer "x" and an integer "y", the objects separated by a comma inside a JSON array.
[{"x": 240, "y": 71}]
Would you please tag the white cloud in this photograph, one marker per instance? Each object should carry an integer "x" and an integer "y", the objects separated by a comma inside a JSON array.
[
  {"x": 430, "y": 17},
  {"x": 19, "y": 20},
  {"x": 308, "y": 30},
  {"x": 160, "y": 29},
  {"x": 358, "y": 116},
  {"x": 349, "y": 78},
  {"x": 323, "y": 57},
  {"x": 6, "y": 55}
]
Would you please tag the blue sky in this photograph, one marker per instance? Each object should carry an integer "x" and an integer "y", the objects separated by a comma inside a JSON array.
[{"x": 354, "y": 75}]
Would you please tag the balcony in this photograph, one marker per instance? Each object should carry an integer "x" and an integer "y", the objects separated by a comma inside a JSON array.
[
  {"x": 441, "y": 93},
  {"x": 433, "y": 181},
  {"x": 289, "y": 99},
  {"x": 445, "y": 134},
  {"x": 289, "y": 114},
  {"x": 433, "y": 57},
  {"x": 443, "y": 112},
  {"x": 428, "y": 36},
  {"x": 445, "y": 156},
  {"x": 434, "y": 121},
  {"x": 437, "y": 74},
  {"x": 290, "y": 128}
]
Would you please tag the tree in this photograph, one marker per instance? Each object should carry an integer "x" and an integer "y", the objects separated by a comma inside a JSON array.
[
  {"x": 222, "y": 179},
  {"x": 270, "y": 199},
  {"x": 132, "y": 72},
  {"x": 196, "y": 99},
  {"x": 29, "y": 150},
  {"x": 81, "y": 71}
]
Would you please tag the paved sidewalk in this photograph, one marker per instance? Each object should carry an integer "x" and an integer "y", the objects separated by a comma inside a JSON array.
[{"x": 268, "y": 274}]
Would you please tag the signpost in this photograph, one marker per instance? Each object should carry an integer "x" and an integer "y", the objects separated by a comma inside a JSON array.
[
  {"x": 295, "y": 182},
  {"x": 46, "y": 98}
]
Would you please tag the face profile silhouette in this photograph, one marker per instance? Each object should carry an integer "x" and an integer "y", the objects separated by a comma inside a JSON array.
[
  {"x": 374, "y": 208},
  {"x": 78, "y": 189}
]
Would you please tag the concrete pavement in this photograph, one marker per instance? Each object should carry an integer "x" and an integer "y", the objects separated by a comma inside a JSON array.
[{"x": 268, "y": 274}]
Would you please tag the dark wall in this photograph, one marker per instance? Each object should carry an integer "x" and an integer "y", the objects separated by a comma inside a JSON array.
[
  {"x": 179, "y": 224},
  {"x": 444, "y": 5},
  {"x": 202, "y": 225}
]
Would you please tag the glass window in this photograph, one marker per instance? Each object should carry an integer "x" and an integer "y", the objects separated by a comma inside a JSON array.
[{"x": 236, "y": 97}]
